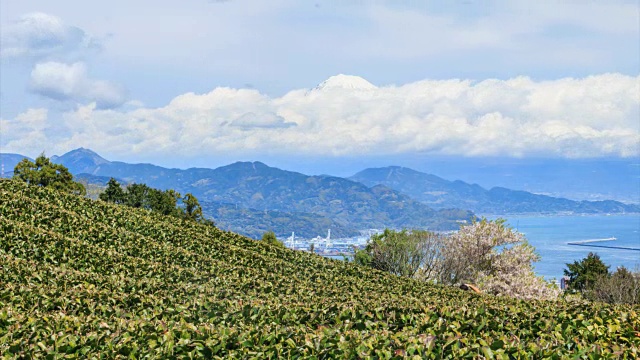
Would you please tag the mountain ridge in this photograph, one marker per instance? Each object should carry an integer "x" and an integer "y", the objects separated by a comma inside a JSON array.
[
  {"x": 393, "y": 196},
  {"x": 256, "y": 187},
  {"x": 436, "y": 192}
]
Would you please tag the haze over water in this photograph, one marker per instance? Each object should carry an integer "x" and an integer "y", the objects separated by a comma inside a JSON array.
[{"x": 550, "y": 235}]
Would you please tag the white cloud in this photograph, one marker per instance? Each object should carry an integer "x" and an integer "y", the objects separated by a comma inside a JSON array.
[
  {"x": 587, "y": 117},
  {"x": 25, "y": 134},
  {"x": 64, "y": 82},
  {"x": 251, "y": 121},
  {"x": 43, "y": 35},
  {"x": 520, "y": 32}
]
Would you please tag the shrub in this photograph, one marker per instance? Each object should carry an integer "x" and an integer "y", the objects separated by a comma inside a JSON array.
[
  {"x": 621, "y": 287},
  {"x": 402, "y": 253},
  {"x": 270, "y": 237}
]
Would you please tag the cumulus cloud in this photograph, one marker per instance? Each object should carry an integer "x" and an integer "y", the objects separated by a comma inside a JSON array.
[
  {"x": 267, "y": 120},
  {"x": 65, "y": 82},
  {"x": 26, "y": 133},
  {"x": 42, "y": 35},
  {"x": 571, "y": 117}
]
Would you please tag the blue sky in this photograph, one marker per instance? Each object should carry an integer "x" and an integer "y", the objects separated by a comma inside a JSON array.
[{"x": 202, "y": 83}]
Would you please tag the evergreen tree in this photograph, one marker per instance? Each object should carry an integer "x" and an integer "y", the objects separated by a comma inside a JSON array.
[
  {"x": 192, "y": 208},
  {"x": 158, "y": 201},
  {"x": 137, "y": 196},
  {"x": 45, "y": 173},
  {"x": 163, "y": 202},
  {"x": 584, "y": 273},
  {"x": 113, "y": 193}
]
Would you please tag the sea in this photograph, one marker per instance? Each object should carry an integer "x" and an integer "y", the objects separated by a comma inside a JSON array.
[{"x": 551, "y": 234}]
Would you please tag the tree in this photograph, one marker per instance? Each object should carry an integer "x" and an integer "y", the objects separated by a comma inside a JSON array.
[
  {"x": 47, "y": 174},
  {"x": 270, "y": 237},
  {"x": 192, "y": 208},
  {"x": 622, "y": 287},
  {"x": 137, "y": 196},
  {"x": 113, "y": 193},
  {"x": 584, "y": 273},
  {"x": 402, "y": 253},
  {"x": 496, "y": 258},
  {"x": 485, "y": 253},
  {"x": 163, "y": 202},
  {"x": 158, "y": 201}
]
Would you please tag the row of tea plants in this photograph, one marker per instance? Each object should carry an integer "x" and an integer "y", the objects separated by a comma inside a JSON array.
[{"x": 87, "y": 279}]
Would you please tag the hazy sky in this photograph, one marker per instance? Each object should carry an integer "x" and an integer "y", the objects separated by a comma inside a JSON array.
[{"x": 205, "y": 82}]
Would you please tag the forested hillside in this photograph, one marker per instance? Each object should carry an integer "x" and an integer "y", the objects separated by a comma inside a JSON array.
[
  {"x": 89, "y": 279},
  {"x": 252, "y": 197}
]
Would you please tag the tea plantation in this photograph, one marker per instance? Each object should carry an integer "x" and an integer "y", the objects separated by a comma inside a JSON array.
[{"x": 87, "y": 279}]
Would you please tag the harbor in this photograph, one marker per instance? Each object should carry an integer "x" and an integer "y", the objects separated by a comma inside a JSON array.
[{"x": 328, "y": 247}]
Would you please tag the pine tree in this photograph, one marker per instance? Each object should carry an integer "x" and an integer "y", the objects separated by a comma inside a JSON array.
[
  {"x": 45, "y": 173},
  {"x": 584, "y": 273},
  {"x": 192, "y": 208},
  {"x": 113, "y": 193}
]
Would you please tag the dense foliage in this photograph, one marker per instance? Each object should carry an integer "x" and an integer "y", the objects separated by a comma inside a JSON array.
[
  {"x": 270, "y": 237},
  {"x": 90, "y": 279},
  {"x": 487, "y": 253},
  {"x": 162, "y": 202},
  {"x": 43, "y": 172},
  {"x": 113, "y": 192},
  {"x": 402, "y": 253},
  {"x": 621, "y": 287},
  {"x": 584, "y": 273},
  {"x": 592, "y": 279}
]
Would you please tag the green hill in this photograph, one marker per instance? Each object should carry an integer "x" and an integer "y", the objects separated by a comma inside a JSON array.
[{"x": 82, "y": 279}]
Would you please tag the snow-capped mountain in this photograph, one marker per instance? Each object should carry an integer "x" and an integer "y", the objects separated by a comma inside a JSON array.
[{"x": 348, "y": 82}]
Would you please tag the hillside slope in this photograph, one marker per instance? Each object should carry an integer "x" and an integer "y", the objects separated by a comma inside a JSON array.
[{"x": 87, "y": 278}]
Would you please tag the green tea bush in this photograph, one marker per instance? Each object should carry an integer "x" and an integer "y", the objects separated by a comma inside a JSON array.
[{"x": 88, "y": 279}]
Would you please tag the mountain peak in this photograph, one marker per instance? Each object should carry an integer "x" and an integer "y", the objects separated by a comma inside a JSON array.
[
  {"x": 81, "y": 160},
  {"x": 82, "y": 151},
  {"x": 349, "y": 82},
  {"x": 247, "y": 164},
  {"x": 85, "y": 153},
  {"x": 389, "y": 171}
]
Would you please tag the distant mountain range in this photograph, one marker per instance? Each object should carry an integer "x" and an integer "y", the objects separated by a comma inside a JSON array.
[
  {"x": 575, "y": 179},
  {"x": 272, "y": 198},
  {"x": 9, "y": 162},
  {"x": 251, "y": 197},
  {"x": 438, "y": 193}
]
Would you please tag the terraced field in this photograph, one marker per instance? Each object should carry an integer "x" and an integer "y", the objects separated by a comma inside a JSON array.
[{"x": 82, "y": 279}]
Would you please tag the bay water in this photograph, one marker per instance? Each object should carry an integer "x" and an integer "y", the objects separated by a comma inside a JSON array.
[{"x": 550, "y": 236}]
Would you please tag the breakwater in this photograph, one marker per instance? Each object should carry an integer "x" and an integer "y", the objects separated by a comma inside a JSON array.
[{"x": 591, "y": 243}]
